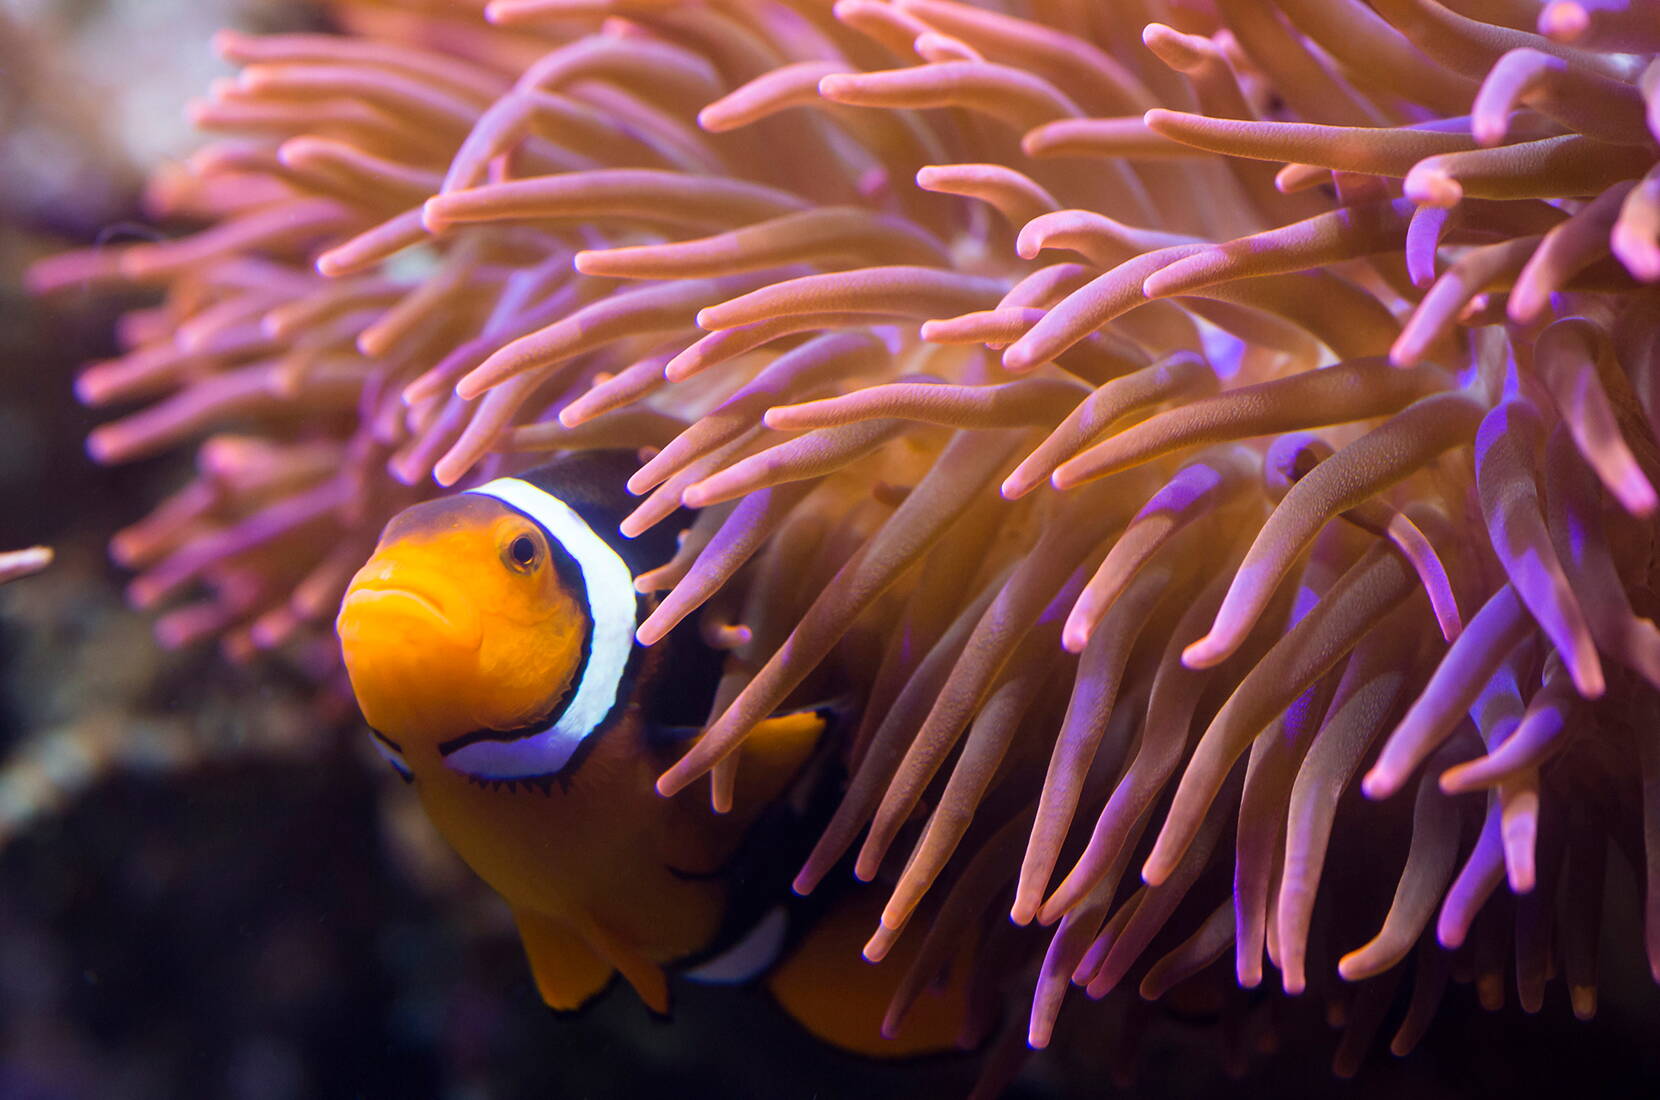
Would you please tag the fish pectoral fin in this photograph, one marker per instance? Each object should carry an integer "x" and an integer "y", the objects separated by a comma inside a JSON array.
[
  {"x": 645, "y": 976},
  {"x": 568, "y": 972},
  {"x": 774, "y": 752}
]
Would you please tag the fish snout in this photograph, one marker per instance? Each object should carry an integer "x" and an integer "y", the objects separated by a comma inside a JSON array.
[{"x": 395, "y": 605}]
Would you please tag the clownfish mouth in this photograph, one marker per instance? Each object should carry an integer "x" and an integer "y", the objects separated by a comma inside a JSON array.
[
  {"x": 403, "y": 612},
  {"x": 387, "y": 600}
]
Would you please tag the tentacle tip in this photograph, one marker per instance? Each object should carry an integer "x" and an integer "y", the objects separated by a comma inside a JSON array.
[
  {"x": 1161, "y": 283},
  {"x": 446, "y": 473},
  {"x": 1159, "y": 117},
  {"x": 1637, "y": 496},
  {"x": 142, "y": 595},
  {"x": 88, "y": 391},
  {"x": 432, "y": 214},
  {"x": 1065, "y": 478},
  {"x": 713, "y": 120},
  {"x": 1639, "y": 255},
  {"x": 1524, "y": 307},
  {"x": 1584, "y": 1000},
  {"x": 836, "y": 85},
  {"x": 471, "y": 387},
  {"x": 124, "y": 551},
  {"x": 1378, "y": 784},
  {"x": 1564, "y": 21},
  {"x": 1075, "y": 638},
  {"x": 1489, "y": 131},
  {"x": 1015, "y": 486},
  {"x": 1037, "y": 1037},
  {"x": 227, "y": 42},
  {"x": 1403, "y": 354},
  {"x": 103, "y": 446},
  {"x": 330, "y": 264},
  {"x": 1207, "y": 652},
  {"x": 1433, "y": 187},
  {"x": 1588, "y": 679},
  {"x": 1018, "y": 360},
  {"x": 408, "y": 474}
]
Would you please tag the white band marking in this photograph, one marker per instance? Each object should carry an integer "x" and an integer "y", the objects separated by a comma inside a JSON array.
[
  {"x": 612, "y": 606},
  {"x": 750, "y": 956}
]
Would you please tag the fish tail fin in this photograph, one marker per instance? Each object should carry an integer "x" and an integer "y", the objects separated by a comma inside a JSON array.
[
  {"x": 568, "y": 972},
  {"x": 827, "y": 987}
]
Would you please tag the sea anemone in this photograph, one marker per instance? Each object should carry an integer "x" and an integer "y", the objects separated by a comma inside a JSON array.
[
  {"x": 21, "y": 563},
  {"x": 1159, "y": 415}
]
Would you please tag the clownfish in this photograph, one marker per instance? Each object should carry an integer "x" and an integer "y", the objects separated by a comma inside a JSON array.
[{"x": 490, "y": 642}]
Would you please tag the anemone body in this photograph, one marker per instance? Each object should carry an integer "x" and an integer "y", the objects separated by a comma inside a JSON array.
[{"x": 1222, "y": 435}]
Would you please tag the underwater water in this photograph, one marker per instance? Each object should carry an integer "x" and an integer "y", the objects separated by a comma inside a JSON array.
[{"x": 211, "y": 885}]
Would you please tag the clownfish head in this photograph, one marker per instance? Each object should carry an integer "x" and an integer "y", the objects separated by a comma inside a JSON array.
[{"x": 494, "y": 629}]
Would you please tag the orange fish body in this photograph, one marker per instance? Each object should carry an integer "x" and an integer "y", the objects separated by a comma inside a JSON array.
[{"x": 489, "y": 641}]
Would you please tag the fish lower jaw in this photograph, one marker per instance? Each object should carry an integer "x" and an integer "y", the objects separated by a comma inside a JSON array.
[{"x": 409, "y": 693}]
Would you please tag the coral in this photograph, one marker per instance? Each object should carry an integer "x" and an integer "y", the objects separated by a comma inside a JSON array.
[{"x": 1330, "y": 327}]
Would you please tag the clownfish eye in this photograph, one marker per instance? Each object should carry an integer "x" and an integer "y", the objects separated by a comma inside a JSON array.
[{"x": 523, "y": 553}]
